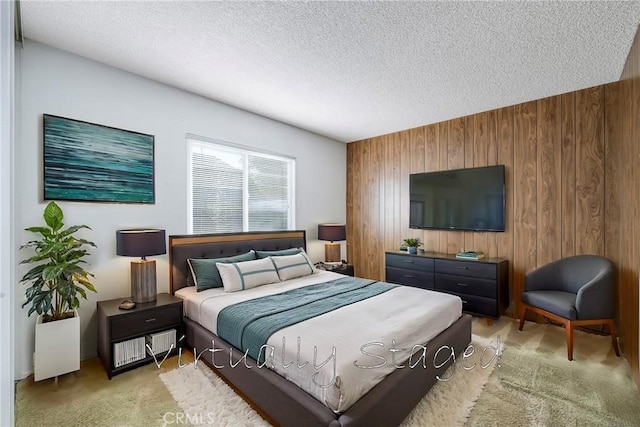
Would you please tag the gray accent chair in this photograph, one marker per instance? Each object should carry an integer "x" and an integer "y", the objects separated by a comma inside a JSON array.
[{"x": 575, "y": 291}]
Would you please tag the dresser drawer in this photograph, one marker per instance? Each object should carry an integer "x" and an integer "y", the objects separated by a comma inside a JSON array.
[
  {"x": 466, "y": 268},
  {"x": 466, "y": 285},
  {"x": 414, "y": 262},
  {"x": 416, "y": 278},
  {"x": 478, "y": 305},
  {"x": 138, "y": 323}
]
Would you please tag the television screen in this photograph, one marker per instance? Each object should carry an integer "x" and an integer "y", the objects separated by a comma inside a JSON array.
[{"x": 461, "y": 199}]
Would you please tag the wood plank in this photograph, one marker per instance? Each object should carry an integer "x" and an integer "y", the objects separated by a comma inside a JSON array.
[
  {"x": 505, "y": 157},
  {"x": 568, "y": 177},
  {"x": 431, "y": 150},
  {"x": 612, "y": 159},
  {"x": 549, "y": 185},
  {"x": 492, "y": 159},
  {"x": 382, "y": 202},
  {"x": 469, "y": 129},
  {"x": 351, "y": 188},
  {"x": 389, "y": 219},
  {"x": 525, "y": 191},
  {"x": 480, "y": 147},
  {"x": 417, "y": 161},
  {"x": 396, "y": 156},
  {"x": 632, "y": 225},
  {"x": 405, "y": 171},
  {"x": 590, "y": 171},
  {"x": 374, "y": 254},
  {"x": 443, "y": 164},
  {"x": 628, "y": 268},
  {"x": 356, "y": 254},
  {"x": 455, "y": 157},
  {"x": 365, "y": 212}
]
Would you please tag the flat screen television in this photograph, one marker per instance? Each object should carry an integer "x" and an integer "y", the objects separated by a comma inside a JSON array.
[{"x": 461, "y": 199}]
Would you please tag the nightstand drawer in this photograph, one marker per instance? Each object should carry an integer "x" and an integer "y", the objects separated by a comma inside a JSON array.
[
  {"x": 413, "y": 262},
  {"x": 466, "y": 268},
  {"x": 466, "y": 285},
  {"x": 137, "y": 323}
]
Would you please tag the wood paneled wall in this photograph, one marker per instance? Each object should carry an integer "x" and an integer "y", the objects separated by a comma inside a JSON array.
[
  {"x": 568, "y": 182},
  {"x": 624, "y": 127}
]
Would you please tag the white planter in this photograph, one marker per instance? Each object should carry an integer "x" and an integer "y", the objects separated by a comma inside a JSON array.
[{"x": 57, "y": 347}]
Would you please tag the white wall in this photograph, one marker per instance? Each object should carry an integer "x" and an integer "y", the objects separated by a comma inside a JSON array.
[
  {"x": 7, "y": 283},
  {"x": 60, "y": 83}
]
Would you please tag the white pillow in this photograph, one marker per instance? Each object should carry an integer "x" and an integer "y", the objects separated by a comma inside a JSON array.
[
  {"x": 238, "y": 276},
  {"x": 292, "y": 266}
]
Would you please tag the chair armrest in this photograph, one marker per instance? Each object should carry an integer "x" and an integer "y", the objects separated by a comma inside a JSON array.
[
  {"x": 595, "y": 298},
  {"x": 542, "y": 278}
]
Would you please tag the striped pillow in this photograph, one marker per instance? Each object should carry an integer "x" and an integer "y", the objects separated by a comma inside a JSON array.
[
  {"x": 239, "y": 276},
  {"x": 292, "y": 266}
]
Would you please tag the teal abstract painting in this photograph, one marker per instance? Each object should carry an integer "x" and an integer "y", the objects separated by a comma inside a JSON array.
[{"x": 95, "y": 163}]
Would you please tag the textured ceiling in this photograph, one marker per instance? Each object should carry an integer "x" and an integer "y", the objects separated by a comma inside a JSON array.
[{"x": 351, "y": 70}]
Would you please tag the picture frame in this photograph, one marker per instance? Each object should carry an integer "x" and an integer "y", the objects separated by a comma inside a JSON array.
[{"x": 89, "y": 162}]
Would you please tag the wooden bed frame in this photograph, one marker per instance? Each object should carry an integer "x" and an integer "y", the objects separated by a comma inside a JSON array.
[{"x": 284, "y": 403}]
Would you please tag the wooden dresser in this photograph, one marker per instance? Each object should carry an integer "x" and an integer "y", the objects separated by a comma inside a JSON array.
[{"x": 482, "y": 285}]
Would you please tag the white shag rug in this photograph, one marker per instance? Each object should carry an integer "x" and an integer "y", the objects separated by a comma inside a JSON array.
[{"x": 208, "y": 400}]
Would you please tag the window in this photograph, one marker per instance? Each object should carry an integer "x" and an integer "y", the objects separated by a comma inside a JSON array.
[{"x": 234, "y": 189}]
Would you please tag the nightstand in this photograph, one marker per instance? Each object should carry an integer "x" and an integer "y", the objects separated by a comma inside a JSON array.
[
  {"x": 120, "y": 331},
  {"x": 346, "y": 269}
]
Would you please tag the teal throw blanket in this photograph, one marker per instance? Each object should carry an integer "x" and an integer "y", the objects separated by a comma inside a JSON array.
[{"x": 249, "y": 324}]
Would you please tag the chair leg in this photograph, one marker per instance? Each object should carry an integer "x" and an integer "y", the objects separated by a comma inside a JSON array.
[
  {"x": 569, "y": 327},
  {"x": 614, "y": 340},
  {"x": 524, "y": 312}
]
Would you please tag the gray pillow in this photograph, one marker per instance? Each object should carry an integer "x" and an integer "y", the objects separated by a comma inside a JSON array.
[{"x": 205, "y": 274}]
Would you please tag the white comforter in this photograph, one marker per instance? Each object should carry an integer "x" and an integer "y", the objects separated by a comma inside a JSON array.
[{"x": 359, "y": 334}]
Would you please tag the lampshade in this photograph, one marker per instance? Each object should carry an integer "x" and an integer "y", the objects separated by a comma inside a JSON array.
[
  {"x": 142, "y": 242},
  {"x": 332, "y": 232}
]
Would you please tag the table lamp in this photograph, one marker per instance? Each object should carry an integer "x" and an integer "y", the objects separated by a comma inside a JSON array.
[
  {"x": 142, "y": 243},
  {"x": 332, "y": 233}
]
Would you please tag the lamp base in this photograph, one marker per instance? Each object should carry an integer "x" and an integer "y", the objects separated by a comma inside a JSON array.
[
  {"x": 332, "y": 252},
  {"x": 143, "y": 281}
]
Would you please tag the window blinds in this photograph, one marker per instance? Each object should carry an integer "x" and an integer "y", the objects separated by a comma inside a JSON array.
[{"x": 234, "y": 189}]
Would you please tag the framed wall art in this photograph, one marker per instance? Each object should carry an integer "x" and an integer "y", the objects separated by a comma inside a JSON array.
[{"x": 95, "y": 163}]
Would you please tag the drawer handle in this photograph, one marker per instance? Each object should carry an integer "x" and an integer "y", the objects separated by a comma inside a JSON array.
[
  {"x": 461, "y": 284},
  {"x": 465, "y": 302},
  {"x": 408, "y": 261},
  {"x": 408, "y": 276},
  {"x": 153, "y": 319},
  {"x": 462, "y": 267}
]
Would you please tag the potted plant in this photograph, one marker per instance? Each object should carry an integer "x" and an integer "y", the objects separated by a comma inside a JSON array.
[
  {"x": 412, "y": 244},
  {"x": 56, "y": 282}
]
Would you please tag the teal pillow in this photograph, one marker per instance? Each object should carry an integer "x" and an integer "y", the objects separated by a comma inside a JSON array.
[
  {"x": 205, "y": 273},
  {"x": 282, "y": 252}
]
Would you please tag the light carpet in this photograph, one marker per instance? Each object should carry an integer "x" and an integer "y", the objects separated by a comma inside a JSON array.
[
  {"x": 537, "y": 386},
  {"x": 206, "y": 399}
]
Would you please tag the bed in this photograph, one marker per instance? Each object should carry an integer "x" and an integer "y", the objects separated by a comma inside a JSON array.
[{"x": 279, "y": 399}]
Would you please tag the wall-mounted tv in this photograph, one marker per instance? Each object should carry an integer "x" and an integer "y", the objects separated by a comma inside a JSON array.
[{"x": 461, "y": 199}]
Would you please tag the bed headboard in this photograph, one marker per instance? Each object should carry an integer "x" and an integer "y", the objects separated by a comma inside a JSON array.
[{"x": 222, "y": 245}]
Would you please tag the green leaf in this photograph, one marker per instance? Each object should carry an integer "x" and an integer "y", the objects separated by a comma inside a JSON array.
[
  {"x": 72, "y": 230},
  {"x": 45, "y": 231},
  {"x": 53, "y": 216},
  {"x": 34, "y": 273},
  {"x": 86, "y": 242}
]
